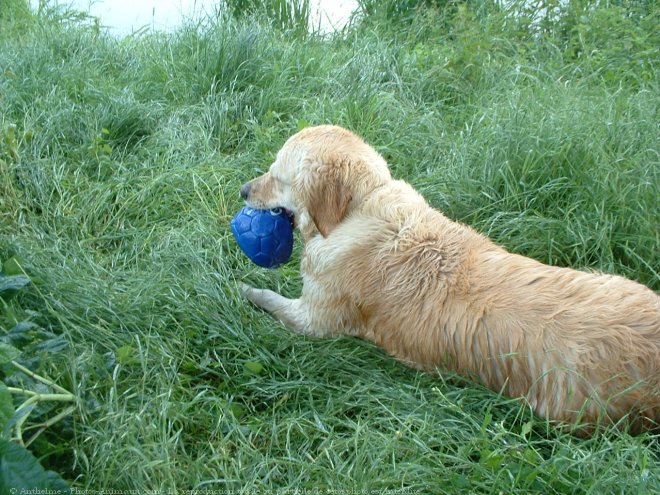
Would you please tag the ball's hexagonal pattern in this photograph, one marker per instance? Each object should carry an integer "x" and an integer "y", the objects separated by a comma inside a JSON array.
[{"x": 265, "y": 236}]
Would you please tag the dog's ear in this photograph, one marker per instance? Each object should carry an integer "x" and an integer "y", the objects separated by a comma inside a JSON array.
[{"x": 328, "y": 199}]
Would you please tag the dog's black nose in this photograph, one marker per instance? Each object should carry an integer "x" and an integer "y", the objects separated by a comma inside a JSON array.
[{"x": 245, "y": 190}]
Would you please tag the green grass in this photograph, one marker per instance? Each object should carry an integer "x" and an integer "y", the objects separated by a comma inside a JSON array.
[{"x": 120, "y": 164}]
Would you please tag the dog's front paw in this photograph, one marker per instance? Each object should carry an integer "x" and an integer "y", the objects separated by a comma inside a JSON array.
[
  {"x": 244, "y": 289},
  {"x": 248, "y": 291},
  {"x": 255, "y": 296}
]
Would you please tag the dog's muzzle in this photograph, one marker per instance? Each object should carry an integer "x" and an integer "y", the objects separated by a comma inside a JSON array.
[{"x": 245, "y": 190}]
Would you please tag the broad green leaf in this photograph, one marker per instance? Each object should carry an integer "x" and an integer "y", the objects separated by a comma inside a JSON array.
[
  {"x": 233, "y": 408},
  {"x": 22, "y": 333},
  {"x": 53, "y": 345},
  {"x": 12, "y": 266},
  {"x": 490, "y": 459},
  {"x": 19, "y": 415},
  {"x": 460, "y": 481},
  {"x": 20, "y": 472},
  {"x": 254, "y": 367},
  {"x": 6, "y": 406},
  {"x": 8, "y": 353},
  {"x": 22, "y": 327},
  {"x": 237, "y": 410},
  {"x": 488, "y": 418},
  {"x": 126, "y": 355},
  {"x": 13, "y": 282},
  {"x": 10, "y": 314}
]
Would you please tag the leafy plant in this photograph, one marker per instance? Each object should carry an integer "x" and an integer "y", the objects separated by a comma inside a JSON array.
[
  {"x": 15, "y": 15},
  {"x": 290, "y": 15},
  {"x": 19, "y": 469}
]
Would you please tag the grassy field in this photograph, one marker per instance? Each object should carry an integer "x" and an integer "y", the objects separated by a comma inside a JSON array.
[{"x": 120, "y": 163}]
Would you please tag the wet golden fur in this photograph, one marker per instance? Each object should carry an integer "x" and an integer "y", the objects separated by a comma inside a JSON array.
[{"x": 381, "y": 264}]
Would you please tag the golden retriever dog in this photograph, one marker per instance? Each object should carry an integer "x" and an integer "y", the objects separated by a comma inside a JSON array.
[{"x": 379, "y": 263}]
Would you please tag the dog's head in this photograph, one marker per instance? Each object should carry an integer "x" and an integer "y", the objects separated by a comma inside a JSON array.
[{"x": 318, "y": 176}]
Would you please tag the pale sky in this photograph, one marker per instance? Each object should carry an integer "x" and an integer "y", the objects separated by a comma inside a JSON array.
[{"x": 126, "y": 16}]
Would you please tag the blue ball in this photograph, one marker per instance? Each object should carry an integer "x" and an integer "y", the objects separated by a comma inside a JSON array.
[{"x": 265, "y": 236}]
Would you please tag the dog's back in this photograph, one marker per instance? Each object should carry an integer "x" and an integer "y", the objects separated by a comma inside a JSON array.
[
  {"x": 577, "y": 344},
  {"x": 582, "y": 347}
]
